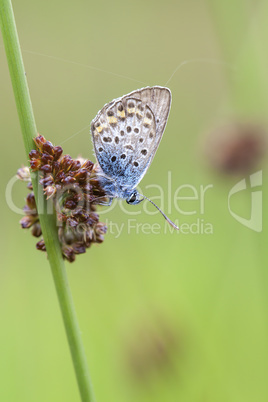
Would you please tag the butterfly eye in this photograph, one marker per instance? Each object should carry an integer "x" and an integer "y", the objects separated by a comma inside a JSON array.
[
  {"x": 135, "y": 198},
  {"x": 132, "y": 199}
]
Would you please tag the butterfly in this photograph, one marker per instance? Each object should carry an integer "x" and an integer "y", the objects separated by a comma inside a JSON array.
[{"x": 126, "y": 134}]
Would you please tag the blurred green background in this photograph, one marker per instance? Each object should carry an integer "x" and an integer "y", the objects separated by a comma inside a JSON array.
[{"x": 168, "y": 316}]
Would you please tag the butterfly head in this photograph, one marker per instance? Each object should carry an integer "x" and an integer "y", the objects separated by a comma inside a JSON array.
[{"x": 134, "y": 198}]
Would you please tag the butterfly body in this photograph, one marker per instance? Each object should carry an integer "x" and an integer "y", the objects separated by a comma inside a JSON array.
[{"x": 126, "y": 134}]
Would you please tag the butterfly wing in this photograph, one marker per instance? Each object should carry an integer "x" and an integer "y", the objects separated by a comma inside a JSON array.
[
  {"x": 159, "y": 100},
  {"x": 127, "y": 131}
]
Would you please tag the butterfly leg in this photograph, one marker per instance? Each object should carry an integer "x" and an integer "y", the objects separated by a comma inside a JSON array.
[{"x": 104, "y": 202}]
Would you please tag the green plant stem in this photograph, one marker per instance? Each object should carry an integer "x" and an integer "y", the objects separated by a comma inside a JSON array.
[{"x": 47, "y": 220}]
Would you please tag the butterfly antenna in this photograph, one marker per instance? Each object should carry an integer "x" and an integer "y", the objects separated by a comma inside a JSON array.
[{"x": 165, "y": 216}]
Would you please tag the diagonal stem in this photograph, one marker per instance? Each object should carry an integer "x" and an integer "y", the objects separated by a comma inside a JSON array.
[{"x": 47, "y": 216}]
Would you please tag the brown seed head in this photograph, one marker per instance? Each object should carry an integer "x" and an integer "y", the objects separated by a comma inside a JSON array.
[
  {"x": 237, "y": 148},
  {"x": 76, "y": 183}
]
